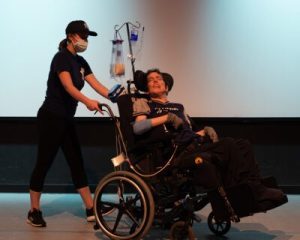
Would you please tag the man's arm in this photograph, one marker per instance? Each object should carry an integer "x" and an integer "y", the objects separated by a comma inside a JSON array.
[
  {"x": 156, "y": 121},
  {"x": 143, "y": 124}
]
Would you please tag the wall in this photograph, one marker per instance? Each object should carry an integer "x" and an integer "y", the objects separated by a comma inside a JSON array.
[
  {"x": 276, "y": 143},
  {"x": 241, "y": 57}
]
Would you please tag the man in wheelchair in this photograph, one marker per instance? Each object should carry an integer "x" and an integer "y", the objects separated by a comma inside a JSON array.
[
  {"x": 214, "y": 161},
  {"x": 185, "y": 159}
]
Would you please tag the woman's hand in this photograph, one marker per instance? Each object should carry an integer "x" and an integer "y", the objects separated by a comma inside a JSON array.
[{"x": 93, "y": 105}]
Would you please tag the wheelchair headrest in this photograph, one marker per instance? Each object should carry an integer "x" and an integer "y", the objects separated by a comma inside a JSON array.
[{"x": 140, "y": 79}]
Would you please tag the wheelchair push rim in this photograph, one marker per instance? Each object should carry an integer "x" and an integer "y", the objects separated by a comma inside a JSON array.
[{"x": 124, "y": 206}]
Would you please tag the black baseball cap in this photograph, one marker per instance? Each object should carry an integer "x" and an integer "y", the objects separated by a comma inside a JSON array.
[{"x": 79, "y": 26}]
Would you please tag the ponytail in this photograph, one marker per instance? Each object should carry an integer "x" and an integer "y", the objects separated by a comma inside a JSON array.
[{"x": 63, "y": 44}]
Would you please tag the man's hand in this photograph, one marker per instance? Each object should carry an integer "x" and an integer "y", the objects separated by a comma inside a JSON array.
[
  {"x": 209, "y": 131},
  {"x": 175, "y": 121}
]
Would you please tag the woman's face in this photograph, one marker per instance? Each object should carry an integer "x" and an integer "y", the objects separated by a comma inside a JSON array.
[
  {"x": 79, "y": 42},
  {"x": 156, "y": 85},
  {"x": 78, "y": 37}
]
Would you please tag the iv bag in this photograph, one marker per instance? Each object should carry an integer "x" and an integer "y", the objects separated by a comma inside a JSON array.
[
  {"x": 136, "y": 40},
  {"x": 134, "y": 35},
  {"x": 117, "y": 67}
]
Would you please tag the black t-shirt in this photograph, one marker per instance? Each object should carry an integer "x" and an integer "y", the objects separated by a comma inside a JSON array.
[
  {"x": 159, "y": 109},
  {"x": 57, "y": 99}
]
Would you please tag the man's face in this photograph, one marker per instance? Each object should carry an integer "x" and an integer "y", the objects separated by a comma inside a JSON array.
[{"x": 156, "y": 85}]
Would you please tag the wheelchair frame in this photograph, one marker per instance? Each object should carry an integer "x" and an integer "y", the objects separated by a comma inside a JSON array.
[{"x": 130, "y": 209}]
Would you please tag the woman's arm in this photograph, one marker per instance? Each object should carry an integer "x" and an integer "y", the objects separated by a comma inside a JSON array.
[
  {"x": 96, "y": 85},
  {"x": 66, "y": 80}
]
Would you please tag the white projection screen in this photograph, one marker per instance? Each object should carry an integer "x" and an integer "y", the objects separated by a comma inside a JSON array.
[{"x": 233, "y": 58}]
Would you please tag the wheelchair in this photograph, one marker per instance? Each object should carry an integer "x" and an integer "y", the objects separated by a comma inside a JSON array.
[{"x": 139, "y": 195}]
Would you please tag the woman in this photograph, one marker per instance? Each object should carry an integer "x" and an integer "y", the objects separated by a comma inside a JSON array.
[{"x": 68, "y": 73}]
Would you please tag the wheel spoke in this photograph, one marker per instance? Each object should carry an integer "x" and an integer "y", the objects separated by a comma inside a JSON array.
[
  {"x": 130, "y": 215},
  {"x": 119, "y": 216},
  {"x": 121, "y": 190},
  {"x": 110, "y": 204}
]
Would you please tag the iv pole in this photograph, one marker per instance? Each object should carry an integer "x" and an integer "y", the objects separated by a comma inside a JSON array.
[{"x": 132, "y": 58}]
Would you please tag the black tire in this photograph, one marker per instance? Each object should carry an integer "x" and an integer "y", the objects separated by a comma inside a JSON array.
[
  {"x": 181, "y": 230},
  {"x": 124, "y": 206},
  {"x": 218, "y": 227}
]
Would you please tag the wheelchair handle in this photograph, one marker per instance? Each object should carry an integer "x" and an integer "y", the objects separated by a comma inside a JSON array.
[
  {"x": 117, "y": 126},
  {"x": 108, "y": 108}
]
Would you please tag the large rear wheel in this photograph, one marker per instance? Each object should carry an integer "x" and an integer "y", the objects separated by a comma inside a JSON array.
[{"x": 123, "y": 206}]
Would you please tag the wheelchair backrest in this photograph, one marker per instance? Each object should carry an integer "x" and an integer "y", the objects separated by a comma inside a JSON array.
[{"x": 125, "y": 107}]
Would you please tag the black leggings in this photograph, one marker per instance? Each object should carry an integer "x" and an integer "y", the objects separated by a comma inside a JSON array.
[{"x": 55, "y": 132}]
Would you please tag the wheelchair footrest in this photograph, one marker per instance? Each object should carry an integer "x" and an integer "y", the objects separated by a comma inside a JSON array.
[{"x": 240, "y": 198}]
